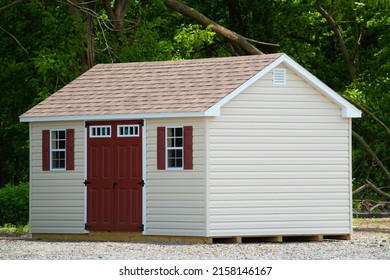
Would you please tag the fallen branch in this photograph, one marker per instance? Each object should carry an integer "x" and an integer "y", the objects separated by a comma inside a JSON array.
[
  {"x": 372, "y": 154},
  {"x": 362, "y": 188},
  {"x": 377, "y": 190},
  {"x": 231, "y": 36}
]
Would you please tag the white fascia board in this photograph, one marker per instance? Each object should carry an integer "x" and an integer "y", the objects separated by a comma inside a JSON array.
[
  {"x": 121, "y": 116},
  {"x": 237, "y": 91},
  {"x": 347, "y": 109}
]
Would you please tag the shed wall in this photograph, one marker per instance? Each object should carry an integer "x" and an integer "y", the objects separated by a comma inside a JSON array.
[
  {"x": 279, "y": 163},
  {"x": 175, "y": 199},
  {"x": 56, "y": 197}
]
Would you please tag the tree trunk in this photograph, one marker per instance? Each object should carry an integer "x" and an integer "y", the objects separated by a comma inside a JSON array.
[
  {"x": 339, "y": 37},
  {"x": 117, "y": 14},
  {"x": 234, "y": 38}
]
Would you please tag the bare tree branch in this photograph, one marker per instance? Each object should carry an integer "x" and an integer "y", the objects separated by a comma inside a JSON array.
[
  {"x": 231, "y": 36},
  {"x": 10, "y": 5},
  {"x": 362, "y": 188},
  {"x": 377, "y": 190},
  {"x": 339, "y": 37},
  {"x": 370, "y": 114},
  {"x": 13, "y": 37},
  {"x": 372, "y": 154}
]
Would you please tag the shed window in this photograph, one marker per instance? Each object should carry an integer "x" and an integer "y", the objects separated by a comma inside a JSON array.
[
  {"x": 100, "y": 131},
  {"x": 58, "y": 149},
  {"x": 174, "y": 147},
  {"x": 128, "y": 130}
]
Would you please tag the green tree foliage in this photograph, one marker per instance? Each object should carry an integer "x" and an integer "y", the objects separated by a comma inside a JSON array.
[
  {"x": 44, "y": 45},
  {"x": 14, "y": 204}
]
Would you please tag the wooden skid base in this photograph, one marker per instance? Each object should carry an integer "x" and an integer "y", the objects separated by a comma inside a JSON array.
[{"x": 138, "y": 237}]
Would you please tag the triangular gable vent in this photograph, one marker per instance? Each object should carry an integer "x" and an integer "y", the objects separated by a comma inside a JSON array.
[{"x": 279, "y": 76}]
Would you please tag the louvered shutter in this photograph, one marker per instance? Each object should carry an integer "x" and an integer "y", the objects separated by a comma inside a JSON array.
[
  {"x": 45, "y": 150},
  {"x": 70, "y": 149},
  {"x": 188, "y": 161},
  {"x": 161, "y": 148}
]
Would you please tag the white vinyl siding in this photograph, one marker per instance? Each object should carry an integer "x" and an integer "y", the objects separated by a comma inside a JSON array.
[
  {"x": 175, "y": 199},
  {"x": 56, "y": 197},
  {"x": 279, "y": 163}
]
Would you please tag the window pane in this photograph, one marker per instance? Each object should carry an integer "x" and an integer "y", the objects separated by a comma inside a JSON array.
[
  {"x": 179, "y": 132},
  {"x": 179, "y": 142}
]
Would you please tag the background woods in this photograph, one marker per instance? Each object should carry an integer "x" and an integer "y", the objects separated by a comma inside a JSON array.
[{"x": 45, "y": 44}]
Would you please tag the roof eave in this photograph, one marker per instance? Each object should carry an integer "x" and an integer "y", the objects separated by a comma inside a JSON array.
[{"x": 121, "y": 116}]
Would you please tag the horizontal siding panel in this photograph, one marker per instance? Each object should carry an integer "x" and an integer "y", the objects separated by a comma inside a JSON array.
[
  {"x": 279, "y": 147},
  {"x": 239, "y": 132},
  {"x": 232, "y": 126},
  {"x": 281, "y": 105},
  {"x": 175, "y": 196},
  {"x": 173, "y": 174},
  {"x": 175, "y": 218},
  {"x": 178, "y": 226},
  {"x": 278, "y": 168},
  {"x": 178, "y": 185},
  {"x": 238, "y": 183},
  {"x": 217, "y": 212},
  {"x": 58, "y": 229},
  {"x": 278, "y": 224},
  {"x": 175, "y": 232},
  {"x": 58, "y": 217},
  {"x": 283, "y": 218},
  {"x": 275, "y": 190},
  {"x": 57, "y": 210},
  {"x": 57, "y": 195},
  {"x": 277, "y": 119},
  {"x": 282, "y": 111},
  {"x": 245, "y": 197},
  {"x": 281, "y": 175},
  {"x": 277, "y": 154},
  {"x": 187, "y": 204},
  {"x": 57, "y": 203},
  {"x": 277, "y": 161},
  {"x": 183, "y": 211},
  {"x": 229, "y": 205}
]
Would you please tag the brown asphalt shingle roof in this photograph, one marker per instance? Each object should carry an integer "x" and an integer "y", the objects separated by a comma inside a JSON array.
[{"x": 151, "y": 87}]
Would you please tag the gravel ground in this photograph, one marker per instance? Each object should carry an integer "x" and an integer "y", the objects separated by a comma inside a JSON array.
[{"x": 367, "y": 245}]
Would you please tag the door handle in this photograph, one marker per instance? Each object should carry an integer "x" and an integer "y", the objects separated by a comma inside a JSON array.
[
  {"x": 142, "y": 183},
  {"x": 114, "y": 185}
]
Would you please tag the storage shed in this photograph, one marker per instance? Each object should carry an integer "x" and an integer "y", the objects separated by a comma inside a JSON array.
[{"x": 195, "y": 150}]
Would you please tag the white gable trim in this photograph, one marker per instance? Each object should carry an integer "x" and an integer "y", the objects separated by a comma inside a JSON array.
[{"x": 347, "y": 109}]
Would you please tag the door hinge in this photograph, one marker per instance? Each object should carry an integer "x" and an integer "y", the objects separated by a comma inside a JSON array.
[
  {"x": 142, "y": 183},
  {"x": 86, "y": 182},
  {"x": 142, "y": 122},
  {"x": 86, "y": 124},
  {"x": 141, "y": 227},
  {"x": 86, "y": 226}
]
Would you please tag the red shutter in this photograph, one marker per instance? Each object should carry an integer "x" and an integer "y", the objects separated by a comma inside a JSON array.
[
  {"x": 188, "y": 147},
  {"x": 161, "y": 148},
  {"x": 45, "y": 150},
  {"x": 70, "y": 149}
]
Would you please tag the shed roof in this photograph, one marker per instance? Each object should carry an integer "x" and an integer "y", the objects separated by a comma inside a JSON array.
[{"x": 169, "y": 88}]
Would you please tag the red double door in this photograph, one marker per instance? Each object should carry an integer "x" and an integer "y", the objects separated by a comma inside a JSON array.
[{"x": 114, "y": 176}]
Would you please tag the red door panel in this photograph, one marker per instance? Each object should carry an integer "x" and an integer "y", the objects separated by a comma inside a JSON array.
[{"x": 114, "y": 173}]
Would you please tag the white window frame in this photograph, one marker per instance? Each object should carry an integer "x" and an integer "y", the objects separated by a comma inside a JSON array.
[
  {"x": 129, "y": 126},
  {"x": 57, "y": 150},
  {"x": 91, "y": 127},
  {"x": 174, "y": 148},
  {"x": 279, "y": 76}
]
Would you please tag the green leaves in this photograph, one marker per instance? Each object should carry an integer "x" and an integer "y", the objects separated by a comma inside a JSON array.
[{"x": 14, "y": 201}]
